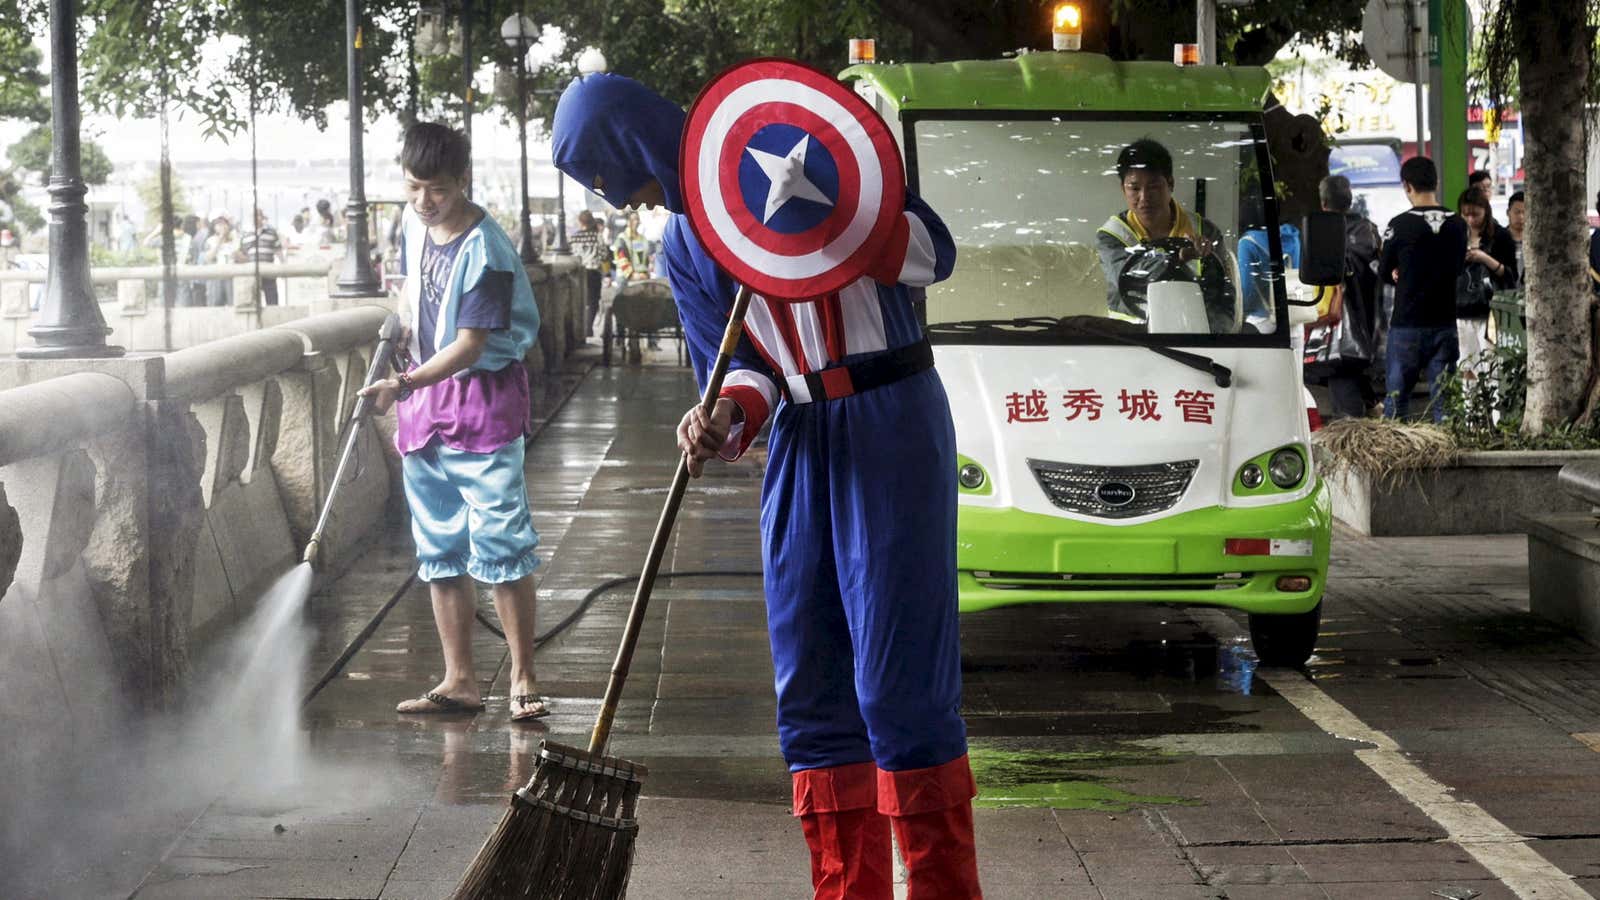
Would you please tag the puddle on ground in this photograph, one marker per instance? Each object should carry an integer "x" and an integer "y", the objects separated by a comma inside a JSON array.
[{"x": 1057, "y": 780}]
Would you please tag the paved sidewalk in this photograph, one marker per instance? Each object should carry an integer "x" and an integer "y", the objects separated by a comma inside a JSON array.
[{"x": 1122, "y": 752}]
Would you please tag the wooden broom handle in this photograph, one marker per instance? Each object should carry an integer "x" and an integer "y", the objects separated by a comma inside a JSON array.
[{"x": 658, "y": 544}]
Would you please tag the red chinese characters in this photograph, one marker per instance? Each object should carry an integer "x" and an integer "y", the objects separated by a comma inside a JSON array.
[
  {"x": 1140, "y": 406},
  {"x": 1029, "y": 407},
  {"x": 1197, "y": 406},
  {"x": 1084, "y": 403}
]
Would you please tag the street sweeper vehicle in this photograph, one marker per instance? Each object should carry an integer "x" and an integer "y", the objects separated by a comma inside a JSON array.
[{"x": 1131, "y": 419}]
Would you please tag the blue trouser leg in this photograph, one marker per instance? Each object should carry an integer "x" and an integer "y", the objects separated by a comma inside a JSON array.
[
  {"x": 1442, "y": 349},
  {"x": 859, "y": 512},
  {"x": 819, "y": 720},
  {"x": 1404, "y": 364}
]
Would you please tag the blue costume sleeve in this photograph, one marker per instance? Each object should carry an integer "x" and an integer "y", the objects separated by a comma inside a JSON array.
[{"x": 704, "y": 294}]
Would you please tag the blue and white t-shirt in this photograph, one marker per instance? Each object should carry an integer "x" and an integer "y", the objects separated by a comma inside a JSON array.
[{"x": 486, "y": 305}]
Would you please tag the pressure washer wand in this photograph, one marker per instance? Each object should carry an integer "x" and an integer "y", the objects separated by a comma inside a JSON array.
[{"x": 382, "y": 360}]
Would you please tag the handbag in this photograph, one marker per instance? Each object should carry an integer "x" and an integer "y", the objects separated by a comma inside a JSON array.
[{"x": 1474, "y": 290}]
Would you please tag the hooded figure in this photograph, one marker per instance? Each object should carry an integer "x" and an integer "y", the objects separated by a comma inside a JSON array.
[{"x": 858, "y": 512}]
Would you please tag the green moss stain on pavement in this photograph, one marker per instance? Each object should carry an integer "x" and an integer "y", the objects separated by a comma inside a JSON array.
[{"x": 1058, "y": 780}]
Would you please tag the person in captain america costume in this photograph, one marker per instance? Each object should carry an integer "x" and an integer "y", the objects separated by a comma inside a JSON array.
[{"x": 858, "y": 508}]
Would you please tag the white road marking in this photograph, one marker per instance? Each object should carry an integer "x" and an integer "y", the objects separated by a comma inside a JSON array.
[{"x": 1503, "y": 852}]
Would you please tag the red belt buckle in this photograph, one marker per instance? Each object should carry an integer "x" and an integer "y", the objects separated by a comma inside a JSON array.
[{"x": 836, "y": 382}]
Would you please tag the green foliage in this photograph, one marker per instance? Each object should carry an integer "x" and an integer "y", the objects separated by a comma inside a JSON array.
[
  {"x": 101, "y": 257},
  {"x": 140, "y": 56},
  {"x": 1484, "y": 412},
  {"x": 149, "y": 191},
  {"x": 22, "y": 82},
  {"x": 15, "y": 212},
  {"x": 31, "y": 154}
]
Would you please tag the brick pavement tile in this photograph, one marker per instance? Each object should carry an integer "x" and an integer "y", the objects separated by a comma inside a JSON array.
[
  {"x": 1246, "y": 865},
  {"x": 1400, "y": 861},
  {"x": 1415, "y": 890},
  {"x": 1161, "y": 892},
  {"x": 1090, "y": 831},
  {"x": 1307, "y": 780},
  {"x": 402, "y": 889},
  {"x": 1579, "y": 857},
  {"x": 445, "y": 841},
  {"x": 1355, "y": 822},
  {"x": 181, "y": 878},
  {"x": 1138, "y": 867},
  {"x": 1021, "y": 847},
  {"x": 1277, "y": 892},
  {"x": 1218, "y": 824}
]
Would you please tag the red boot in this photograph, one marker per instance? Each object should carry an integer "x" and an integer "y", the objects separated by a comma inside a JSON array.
[
  {"x": 932, "y": 815},
  {"x": 851, "y": 856}
]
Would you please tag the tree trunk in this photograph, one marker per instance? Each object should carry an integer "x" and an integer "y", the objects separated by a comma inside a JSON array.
[{"x": 1553, "y": 60}]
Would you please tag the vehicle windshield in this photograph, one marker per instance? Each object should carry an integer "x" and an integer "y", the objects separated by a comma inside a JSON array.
[{"x": 1046, "y": 227}]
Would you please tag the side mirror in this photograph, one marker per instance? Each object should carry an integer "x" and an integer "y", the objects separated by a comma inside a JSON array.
[{"x": 1322, "y": 249}]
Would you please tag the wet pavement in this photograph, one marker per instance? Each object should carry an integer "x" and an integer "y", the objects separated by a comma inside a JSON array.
[{"x": 1443, "y": 742}]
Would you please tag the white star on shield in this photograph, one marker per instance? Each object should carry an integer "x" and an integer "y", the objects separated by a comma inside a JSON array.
[{"x": 787, "y": 177}]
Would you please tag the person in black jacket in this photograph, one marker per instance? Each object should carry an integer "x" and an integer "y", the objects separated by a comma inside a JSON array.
[
  {"x": 1356, "y": 333},
  {"x": 1490, "y": 265},
  {"x": 1423, "y": 252}
]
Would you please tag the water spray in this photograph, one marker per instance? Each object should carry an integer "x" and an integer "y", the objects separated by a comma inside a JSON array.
[{"x": 383, "y": 359}]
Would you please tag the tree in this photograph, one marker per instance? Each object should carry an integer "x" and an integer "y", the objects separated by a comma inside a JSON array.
[
  {"x": 22, "y": 83},
  {"x": 1541, "y": 54},
  {"x": 31, "y": 154}
]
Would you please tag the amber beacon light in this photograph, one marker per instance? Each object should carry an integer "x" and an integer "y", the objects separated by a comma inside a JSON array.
[
  {"x": 1067, "y": 30},
  {"x": 863, "y": 50}
]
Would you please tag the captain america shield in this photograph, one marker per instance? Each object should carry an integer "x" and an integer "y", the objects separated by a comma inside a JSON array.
[{"x": 791, "y": 182}]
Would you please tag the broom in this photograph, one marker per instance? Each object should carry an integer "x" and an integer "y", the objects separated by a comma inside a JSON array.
[{"x": 569, "y": 833}]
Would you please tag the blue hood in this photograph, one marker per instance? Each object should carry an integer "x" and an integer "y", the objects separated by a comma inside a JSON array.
[{"x": 616, "y": 128}]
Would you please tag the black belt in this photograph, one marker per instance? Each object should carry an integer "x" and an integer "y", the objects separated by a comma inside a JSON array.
[{"x": 858, "y": 377}]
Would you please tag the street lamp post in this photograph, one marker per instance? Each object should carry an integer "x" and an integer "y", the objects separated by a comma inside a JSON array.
[
  {"x": 70, "y": 325},
  {"x": 356, "y": 279},
  {"x": 515, "y": 31}
]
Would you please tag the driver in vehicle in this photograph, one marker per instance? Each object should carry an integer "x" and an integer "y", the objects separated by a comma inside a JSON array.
[{"x": 1157, "y": 239}]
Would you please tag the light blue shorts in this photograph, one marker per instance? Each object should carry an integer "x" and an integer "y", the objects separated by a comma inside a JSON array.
[{"x": 469, "y": 513}]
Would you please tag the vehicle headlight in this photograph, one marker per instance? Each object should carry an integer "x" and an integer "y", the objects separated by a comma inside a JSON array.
[
  {"x": 1251, "y": 476},
  {"x": 1286, "y": 467},
  {"x": 971, "y": 476}
]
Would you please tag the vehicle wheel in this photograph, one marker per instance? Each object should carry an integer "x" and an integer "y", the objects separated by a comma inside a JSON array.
[{"x": 1285, "y": 641}]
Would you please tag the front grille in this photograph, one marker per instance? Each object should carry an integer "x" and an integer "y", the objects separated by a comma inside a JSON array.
[{"x": 1086, "y": 489}]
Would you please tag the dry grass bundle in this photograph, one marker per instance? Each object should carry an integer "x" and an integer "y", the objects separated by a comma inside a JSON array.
[{"x": 1383, "y": 449}]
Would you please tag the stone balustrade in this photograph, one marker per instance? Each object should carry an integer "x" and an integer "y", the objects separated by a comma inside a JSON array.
[
  {"x": 146, "y": 502},
  {"x": 132, "y": 302}
]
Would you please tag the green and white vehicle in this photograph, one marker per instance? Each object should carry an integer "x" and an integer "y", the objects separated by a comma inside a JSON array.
[{"x": 1107, "y": 457}]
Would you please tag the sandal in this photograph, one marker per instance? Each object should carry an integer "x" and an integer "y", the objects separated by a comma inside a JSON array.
[
  {"x": 534, "y": 707},
  {"x": 438, "y": 704}
]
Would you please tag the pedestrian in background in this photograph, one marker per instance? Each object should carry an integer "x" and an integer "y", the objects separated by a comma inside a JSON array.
[
  {"x": 221, "y": 247},
  {"x": 1482, "y": 182},
  {"x": 1355, "y": 338},
  {"x": 1594, "y": 253},
  {"x": 261, "y": 244},
  {"x": 1255, "y": 255},
  {"x": 1516, "y": 220},
  {"x": 1424, "y": 249},
  {"x": 1490, "y": 265},
  {"x": 199, "y": 233},
  {"x": 631, "y": 251},
  {"x": 585, "y": 244}
]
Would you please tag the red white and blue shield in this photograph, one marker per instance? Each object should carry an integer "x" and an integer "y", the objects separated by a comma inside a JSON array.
[{"x": 792, "y": 182}]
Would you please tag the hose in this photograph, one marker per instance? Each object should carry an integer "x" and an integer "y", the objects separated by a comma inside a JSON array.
[
  {"x": 610, "y": 585},
  {"x": 588, "y": 600}
]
